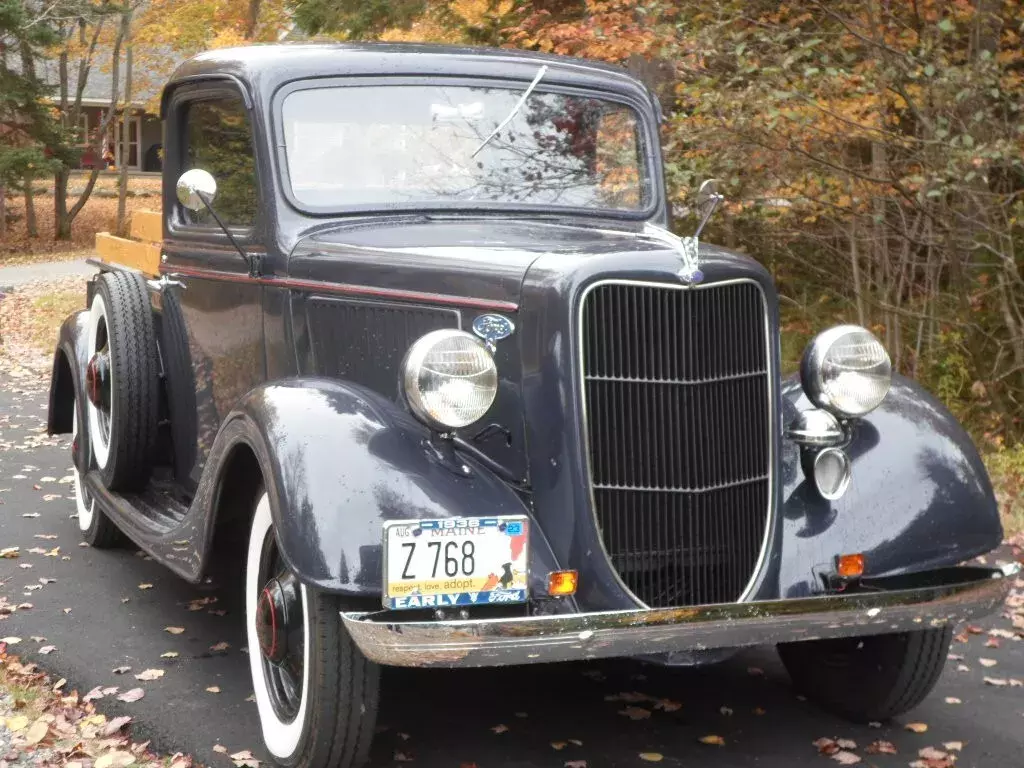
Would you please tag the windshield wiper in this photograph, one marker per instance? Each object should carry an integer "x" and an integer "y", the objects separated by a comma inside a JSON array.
[{"x": 515, "y": 110}]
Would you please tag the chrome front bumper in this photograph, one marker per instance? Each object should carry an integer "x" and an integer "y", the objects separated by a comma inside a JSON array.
[{"x": 931, "y": 599}]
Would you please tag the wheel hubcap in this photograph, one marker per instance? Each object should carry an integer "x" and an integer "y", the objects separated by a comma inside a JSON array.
[
  {"x": 280, "y": 625},
  {"x": 279, "y": 618},
  {"x": 97, "y": 380}
]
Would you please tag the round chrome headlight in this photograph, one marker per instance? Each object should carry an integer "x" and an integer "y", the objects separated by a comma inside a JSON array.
[
  {"x": 846, "y": 370},
  {"x": 449, "y": 379}
]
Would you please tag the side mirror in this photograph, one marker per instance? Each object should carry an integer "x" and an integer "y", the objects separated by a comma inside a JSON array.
[
  {"x": 196, "y": 189},
  {"x": 708, "y": 199}
]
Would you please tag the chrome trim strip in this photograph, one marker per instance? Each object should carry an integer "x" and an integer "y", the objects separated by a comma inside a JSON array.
[
  {"x": 932, "y": 599},
  {"x": 772, "y": 375}
]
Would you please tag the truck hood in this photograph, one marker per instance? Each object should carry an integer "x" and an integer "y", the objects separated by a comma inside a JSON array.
[{"x": 483, "y": 259}]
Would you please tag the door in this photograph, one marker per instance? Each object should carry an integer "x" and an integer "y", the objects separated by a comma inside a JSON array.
[
  {"x": 134, "y": 123},
  {"x": 217, "y": 346}
]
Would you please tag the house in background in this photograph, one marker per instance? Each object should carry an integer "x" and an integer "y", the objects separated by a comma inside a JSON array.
[{"x": 145, "y": 137}]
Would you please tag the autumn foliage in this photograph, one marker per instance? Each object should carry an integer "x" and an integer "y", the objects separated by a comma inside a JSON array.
[{"x": 871, "y": 153}]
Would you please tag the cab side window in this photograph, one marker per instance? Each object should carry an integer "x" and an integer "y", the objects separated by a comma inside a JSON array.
[{"x": 219, "y": 140}]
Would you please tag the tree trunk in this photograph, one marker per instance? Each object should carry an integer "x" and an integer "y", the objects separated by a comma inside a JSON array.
[
  {"x": 858, "y": 291},
  {"x": 252, "y": 19},
  {"x": 126, "y": 119},
  {"x": 31, "y": 227},
  {"x": 64, "y": 216}
]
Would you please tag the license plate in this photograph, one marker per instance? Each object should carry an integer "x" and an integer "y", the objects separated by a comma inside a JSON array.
[{"x": 461, "y": 561}]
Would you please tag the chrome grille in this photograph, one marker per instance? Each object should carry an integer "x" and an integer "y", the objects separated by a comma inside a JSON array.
[{"x": 677, "y": 392}]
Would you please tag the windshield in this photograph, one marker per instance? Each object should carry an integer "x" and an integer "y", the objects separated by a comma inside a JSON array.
[{"x": 405, "y": 145}]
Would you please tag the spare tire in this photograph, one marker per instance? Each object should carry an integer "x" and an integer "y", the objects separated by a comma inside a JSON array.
[
  {"x": 180, "y": 386},
  {"x": 122, "y": 380}
]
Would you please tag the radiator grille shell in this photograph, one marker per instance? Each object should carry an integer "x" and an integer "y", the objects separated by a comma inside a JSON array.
[{"x": 678, "y": 421}]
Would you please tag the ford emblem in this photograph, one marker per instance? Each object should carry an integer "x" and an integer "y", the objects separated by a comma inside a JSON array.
[{"x": 493, "y": 328}]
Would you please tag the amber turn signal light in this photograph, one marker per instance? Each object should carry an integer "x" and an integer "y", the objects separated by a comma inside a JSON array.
[
  {"x": 850, "y": 566},
  {"x": 561, "y": 583}
]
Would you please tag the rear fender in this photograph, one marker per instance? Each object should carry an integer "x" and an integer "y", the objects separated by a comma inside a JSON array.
[
  {"x": 338, "y": 461},
  {"x": 69, "y": 361},
  {"x": 920, "y": 497}
]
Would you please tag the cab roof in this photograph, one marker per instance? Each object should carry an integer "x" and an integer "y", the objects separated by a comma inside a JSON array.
[{"x": 261, "y": 69}]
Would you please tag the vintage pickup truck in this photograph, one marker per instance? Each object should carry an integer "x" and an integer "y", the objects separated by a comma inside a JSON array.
[{"x": 421, "y": 332}]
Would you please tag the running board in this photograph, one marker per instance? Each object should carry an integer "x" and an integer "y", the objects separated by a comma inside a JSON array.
[{"x": 154, "y": 520}]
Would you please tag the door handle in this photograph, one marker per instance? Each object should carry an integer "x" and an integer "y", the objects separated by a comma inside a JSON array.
[{"x": 167, "y": 281}]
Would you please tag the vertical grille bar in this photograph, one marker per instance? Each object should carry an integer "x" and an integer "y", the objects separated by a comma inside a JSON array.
[{"x": 677, "y": 386}]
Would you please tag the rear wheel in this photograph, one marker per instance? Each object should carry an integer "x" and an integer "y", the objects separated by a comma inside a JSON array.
[
  {"x": 316, "y": 693},
  {"x": 96, "y": 527},
  {"x": 875, "y": 677}
]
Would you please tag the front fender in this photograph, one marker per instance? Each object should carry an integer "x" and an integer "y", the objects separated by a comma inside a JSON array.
[
  {"x": 338, "y": 461},
  {"x": 920, "y": 497}
]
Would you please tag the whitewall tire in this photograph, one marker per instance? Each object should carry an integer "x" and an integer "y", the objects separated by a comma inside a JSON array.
[
  {"x": 316, "y": 694},
  {"x": 84, "y": 502},
  {"x": 282, "y": 738},
  {"x": 96, "y": 528},
  {"x": 100, "y": 421}
]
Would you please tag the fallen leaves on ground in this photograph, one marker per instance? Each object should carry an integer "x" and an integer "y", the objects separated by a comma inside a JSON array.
[
  {"x": 916, "y": 727},
  {"x": 174, "y": 630},
  {"x": 635, "y": 713},
  {"x": 55, "y": 727},
  {"x": 121, "y": 670},
  {"x": 47, "y": 649},
  {"x": 213, "y": 689},
  {"x": 150, "y": 674},
  {"x": 575, "y": 764},
  {"x": 652, "y": 757},
  {"x": 713, "y": 740},
  {"x": 145, "y": 586},
  {"x": 245, "y": 759},
  {"x": 131, "y": 696},
  {"x": 220, "y": 749},
  {"x": 499, "y": 728},
  {"x": 169, "y": 655},
  {"x": 987, "y": 662},
  {"x": 846, "y": 758},
  {"x": 881, "y": 748},
  {"x": 220, "y": 647},
  {"x": 114, "y": 759}
]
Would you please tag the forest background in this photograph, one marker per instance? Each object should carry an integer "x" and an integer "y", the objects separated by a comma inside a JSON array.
[{"x": 871, "y": 151}]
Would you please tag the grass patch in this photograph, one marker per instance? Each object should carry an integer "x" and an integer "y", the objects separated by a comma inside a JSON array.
[
  {"x": 30, "y": 319},
  {"x": 47, "y": 313},
  {"x": 76, "y": 253}
]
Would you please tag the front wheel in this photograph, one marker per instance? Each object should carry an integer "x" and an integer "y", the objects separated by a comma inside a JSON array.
[
  {"x": 316, "y": 693},
  {"x": 868, "y": 678}
]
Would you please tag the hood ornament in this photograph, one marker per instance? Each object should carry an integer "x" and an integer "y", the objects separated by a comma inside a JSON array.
[{"x": 688, "y": 248}]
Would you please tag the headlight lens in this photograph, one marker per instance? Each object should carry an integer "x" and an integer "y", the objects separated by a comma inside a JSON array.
[
  {"x": 449, "y": 379},
  {"x": 846, "y": 370}
]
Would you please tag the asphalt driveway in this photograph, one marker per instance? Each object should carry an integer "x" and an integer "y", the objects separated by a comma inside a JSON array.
[{"x": 109, "y": 609}]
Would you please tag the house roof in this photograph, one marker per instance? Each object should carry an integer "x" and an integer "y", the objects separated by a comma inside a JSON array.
[{"x": 149, "y": 73}]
